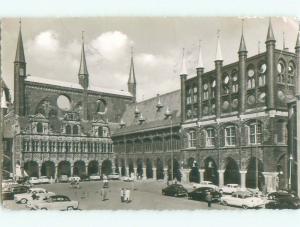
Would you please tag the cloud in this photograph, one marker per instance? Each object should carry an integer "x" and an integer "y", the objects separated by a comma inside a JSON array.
[
  {"x": 111, "y": 45},
  {"x": 47, "y": 40}
]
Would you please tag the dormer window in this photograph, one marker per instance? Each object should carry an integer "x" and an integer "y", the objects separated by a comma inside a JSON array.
[{"x": 141, "y": 119}]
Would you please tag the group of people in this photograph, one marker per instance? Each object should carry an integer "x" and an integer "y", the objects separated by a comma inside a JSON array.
[{"x": 125, "y": 195}]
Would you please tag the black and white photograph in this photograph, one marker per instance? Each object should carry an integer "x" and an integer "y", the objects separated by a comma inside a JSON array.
[{"x": 150, "y": 113}]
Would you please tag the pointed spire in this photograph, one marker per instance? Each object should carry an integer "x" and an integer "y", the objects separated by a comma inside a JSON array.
[
  {"x": 298, "y": 38},
  {"x": 131, "y": 79},
  {"x": 283, "y": 41},
  {"x": 20, "y": 56},
  {"x": 200, "y": 60},
  {"x": 183, "y": 64},
  {"x": 242, "y": 43},
  {"x": 83, "y": 67},
  {"x": 270, "y": 36},
  {"x": 219, "y": 52}
]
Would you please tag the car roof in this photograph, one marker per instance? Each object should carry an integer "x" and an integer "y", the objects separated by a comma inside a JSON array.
[
  {"x": 233, "y": 184},
  {"x": 38, "y": 189},
  {"x": 55, "y": 196}
]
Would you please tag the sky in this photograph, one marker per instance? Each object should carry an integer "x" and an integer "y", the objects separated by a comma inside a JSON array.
[{"x": 53, "y": 45}]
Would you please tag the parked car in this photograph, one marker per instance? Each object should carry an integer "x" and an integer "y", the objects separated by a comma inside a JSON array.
[
  {"x": 63, "y": 179},
  {"x": 94, "y": 177},
  {"x": 114, "y": 176},
  {"x": 8, "y": 193},
  {"x": 31, "y": 194},
  {"x": 243, "y": 199},
  {"x": 44, "y": 180},
  {"x": 74, "y": 178},
  {"x": 34, "y": 180},
  {"x": 175, "y": 190},
  {"x": 229, "y": 188},
  {"x": 280, "y": 194},
  {"x": 286, "y": 201},
  {"x": 128, "y": 179},
  {"x": 205, "y": 184},
  {"x": 202, "y": 192},
  {"x": 55, "y": 202},
  {"x": 8, "y": 183}
]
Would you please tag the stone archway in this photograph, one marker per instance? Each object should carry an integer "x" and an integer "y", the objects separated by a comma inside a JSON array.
[
  {"x": 159, "y": 169},
  {"x": 149, "y": 170},
  {"x": 176, "y": 170},
  {"x": 139, "y": 169},
  {"x": 64, "y": 168},
  {"x": 211, "y": 171},
  {"x": 194, "y": 175},
  {"x": 93, "y": 168},
  {"x": 232, "y": 172},
  {"x": 32, "y": 168},
  {"x": 130, "y": 167},
  {"x": 123, "y": 168},
  {"x": 106, "y": 167},
  {"x": 48, "y": 169},
  {"x": 254, "y": 176},
  {"x": 79, "y": 169}
]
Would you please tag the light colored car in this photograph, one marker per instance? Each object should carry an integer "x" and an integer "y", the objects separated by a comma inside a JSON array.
[
  {"x": 94, "y": 177},
  {"x": 7, "y": 184},
  {"x": 114, "y": 176},
  {"x": 75, "y": 178},
  {"x": 128, "y": 179},
  {"x": 33, "y": 193},
  {"x": 230, "y": 188},
  {"x": 205, "y": 184},
  {"x": 44, "y": 180},
  {"x": 55, "y": 202},
  {"x": 243, "y": 199},
  {"x": 34, "y": 180},
  {"x": 63, "y": 179}
]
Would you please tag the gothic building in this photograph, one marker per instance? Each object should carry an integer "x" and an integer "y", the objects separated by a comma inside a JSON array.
[
  {"x": 61, "y": 128},
  {"x": 235, "y": 117}
]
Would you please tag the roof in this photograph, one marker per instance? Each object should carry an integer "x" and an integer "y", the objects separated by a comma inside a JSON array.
[
  {"x": 20, "y": 56},
  {"x": 153, "y": 118},
  {"x": 76, "y": 86}
]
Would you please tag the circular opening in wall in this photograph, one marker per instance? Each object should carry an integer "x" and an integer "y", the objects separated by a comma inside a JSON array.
[
  {"x": 226, "y": 79},
  {"x": 101, "y": 106},
  {"x": 263, "y": 68},
  {"x": 63, "y": 103},
  {"x": 280, "y": 67}
]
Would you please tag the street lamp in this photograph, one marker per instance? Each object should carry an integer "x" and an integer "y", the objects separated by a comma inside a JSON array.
[{"x": 168, "y": 114}]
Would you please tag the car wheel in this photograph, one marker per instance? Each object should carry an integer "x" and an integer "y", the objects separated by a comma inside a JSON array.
[
  {"x": 245, "y": 207},
  {"x": 70, "y": 208},
  {"x": 23, "y": 201}
]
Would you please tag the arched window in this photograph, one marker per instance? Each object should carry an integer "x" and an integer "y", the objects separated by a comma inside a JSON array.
[
  {"x": 255, "y": 133},
  {"x": 39, "y": 127},
  {"x": 205, "y": 91},
  {"x": 281, "y": 72},
  {"x": 213, "y": 88},
  {"x": 235, "y": 82},
  {"x": 210, "y": 137},
  {"x": 230, "y": 135},
  {"x": 291, "y": 73},
  {"x": 100, "y": 131},
  {"x": 75, "y": 130},
  {"x": 192, "y": 138},
  {"x": 251, "y": 77},
  {"x": 68, "y": 129}
]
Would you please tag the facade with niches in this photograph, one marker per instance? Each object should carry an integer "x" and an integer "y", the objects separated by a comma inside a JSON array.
[
  {"x": 62, "y": 128},
  {"x": 235, "y": 117}
]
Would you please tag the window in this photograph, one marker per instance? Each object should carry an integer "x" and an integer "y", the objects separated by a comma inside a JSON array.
[
  {"x": 213, "y": 88},
  {"x": 281, "y": 71},
  {"x": 39, "y": 127},
  {"x": 251, "y": 77},
  {"x": 75, "y": 130},
  {"x": 210, "y": 137},
  {"x": 189, "y": 96},
  {"x": 205, "y": 93},
  {"x": 235, "y": 88},
  {"x": 291, "y": 72},
  {"x": 192, "y": 139},
  {"x": 195, "y": 91},
  {"x": 255, "y": 130},
  {"x": 230, "y": 136},
  {"x": 68, "y": 129}
]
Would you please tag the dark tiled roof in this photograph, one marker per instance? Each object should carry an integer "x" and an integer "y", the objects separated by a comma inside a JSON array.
[{"x": 153, "y": 118}]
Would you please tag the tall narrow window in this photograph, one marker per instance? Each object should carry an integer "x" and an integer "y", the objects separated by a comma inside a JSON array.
[
  {"x": 210, "y": 137},
  {"x": 68, "y": 129},
  {"x": 230, "y": 136},
  {"x": 192, "y": 139},
  {"x": 255, "y": 130},
  {"x": 39, "y": 127}
]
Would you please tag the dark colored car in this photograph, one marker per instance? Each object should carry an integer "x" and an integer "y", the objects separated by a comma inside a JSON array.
[
  {"x": 175, "y": 190},
  {"x": 9, "y": 194},
  {"x": 283, "y": 200},
  {"x": 201, "y": 194}
]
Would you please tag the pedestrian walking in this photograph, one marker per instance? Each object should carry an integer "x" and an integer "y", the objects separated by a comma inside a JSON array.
[
  {"x": 122, "y": 194},
  {"x": 127, "y": 195},
  {"x": 209, "y": 199}
]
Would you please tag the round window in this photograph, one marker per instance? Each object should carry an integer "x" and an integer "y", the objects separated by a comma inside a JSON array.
[
  {"x": 262, "y": 97},
  {"x": 205, "y": 87},
  {"x": 250, "y": 72},
  {"x": 251, "y": 99},
  {"x": 205, "y": 110},
  {"x": 291, "y": 68},
  {"x": 263, "y": 68},
  {"x": 225, "y": 105},
  {"x": 226, "y": 79},
  {"x": 235, "y": 77},
  {"x": 63, "y": 103},
  {"x": 235, "y": 103},
  {"x": 281, "y": 95},
  {"x": 280, "y": 67},
  {"x": 101, "y": 106}
]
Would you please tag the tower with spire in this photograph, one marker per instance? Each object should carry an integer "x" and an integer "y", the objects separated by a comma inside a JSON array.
[
  {"x": 218, "y": 67},
  {"x": 200, "y": 71},
  {"x": 19, "y": 76},
  {"x": 131, "y": 80},
  {"x": 183, "y": 77},
  {"x": 83, "y": 74}
]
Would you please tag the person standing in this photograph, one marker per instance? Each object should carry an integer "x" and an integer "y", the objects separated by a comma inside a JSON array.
[
  {"x": 127, "y": 195},
  {"x": 209, "y": 199},
  {"x": 122, "y": 194}
]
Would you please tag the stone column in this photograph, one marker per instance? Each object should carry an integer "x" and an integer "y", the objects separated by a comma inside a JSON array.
[
  {"x": 40, "y": 169},
  {"x": 120, "y": 171},
  {"x": 165, "y": 175},
  {"x": 154, "y": 173},
  {"x": 99, "y": 170},
  {"x": 185, "y": 175},
  {"x": 243, "y": 178},
  {"x": 72, "y": 166},
  {"x": 135, "y": 172},
  {"x": 201, "y": 174},
  {"x": 270, "y": 181},
  {"x": 127, "y": 171},
  {"x": 221, "y": 177},
  {"x": 144, "y": 174},
  {"x": 56, "y": 171}
]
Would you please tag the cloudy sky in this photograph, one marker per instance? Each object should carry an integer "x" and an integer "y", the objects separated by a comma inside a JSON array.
[{"x": 52, "y": 47}]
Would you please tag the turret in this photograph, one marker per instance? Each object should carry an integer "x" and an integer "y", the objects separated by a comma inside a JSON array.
[
  {"x": 242, "y": 72},
  {"x": 183, "y": 76},
  {"x": 270, "y": 48},
  {"x": 131, "y": 80},
  {"x": 218, "y": 67},
  {"x": 200, "y": 71},
  {"x": 19, "y": 77}
]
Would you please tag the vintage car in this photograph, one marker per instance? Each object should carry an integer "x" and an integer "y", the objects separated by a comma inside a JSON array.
[
  {"x": 114, "y": 176},
  {"x": 55, "y": 202},
  {"x": 282, "y": 200},
  {"x": 205, "y": 184},
  {"x": 202, "y": 192},
  {"x": 34, "y": 180},
  {"x": 243, "y": 199},
  {"x": 229, "y": 188},
  {"x": 44, "y": 180},
  {"x": 176, "y": 190},
  {"x": 74, "y": 178},
  {"x": 63, "y": 179},
  {"x": 94, "y": 177},
  {"x": 32, "y": 194},
  {"x": 8, "y": 193},
  {"x": 128, "y": 179}
]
